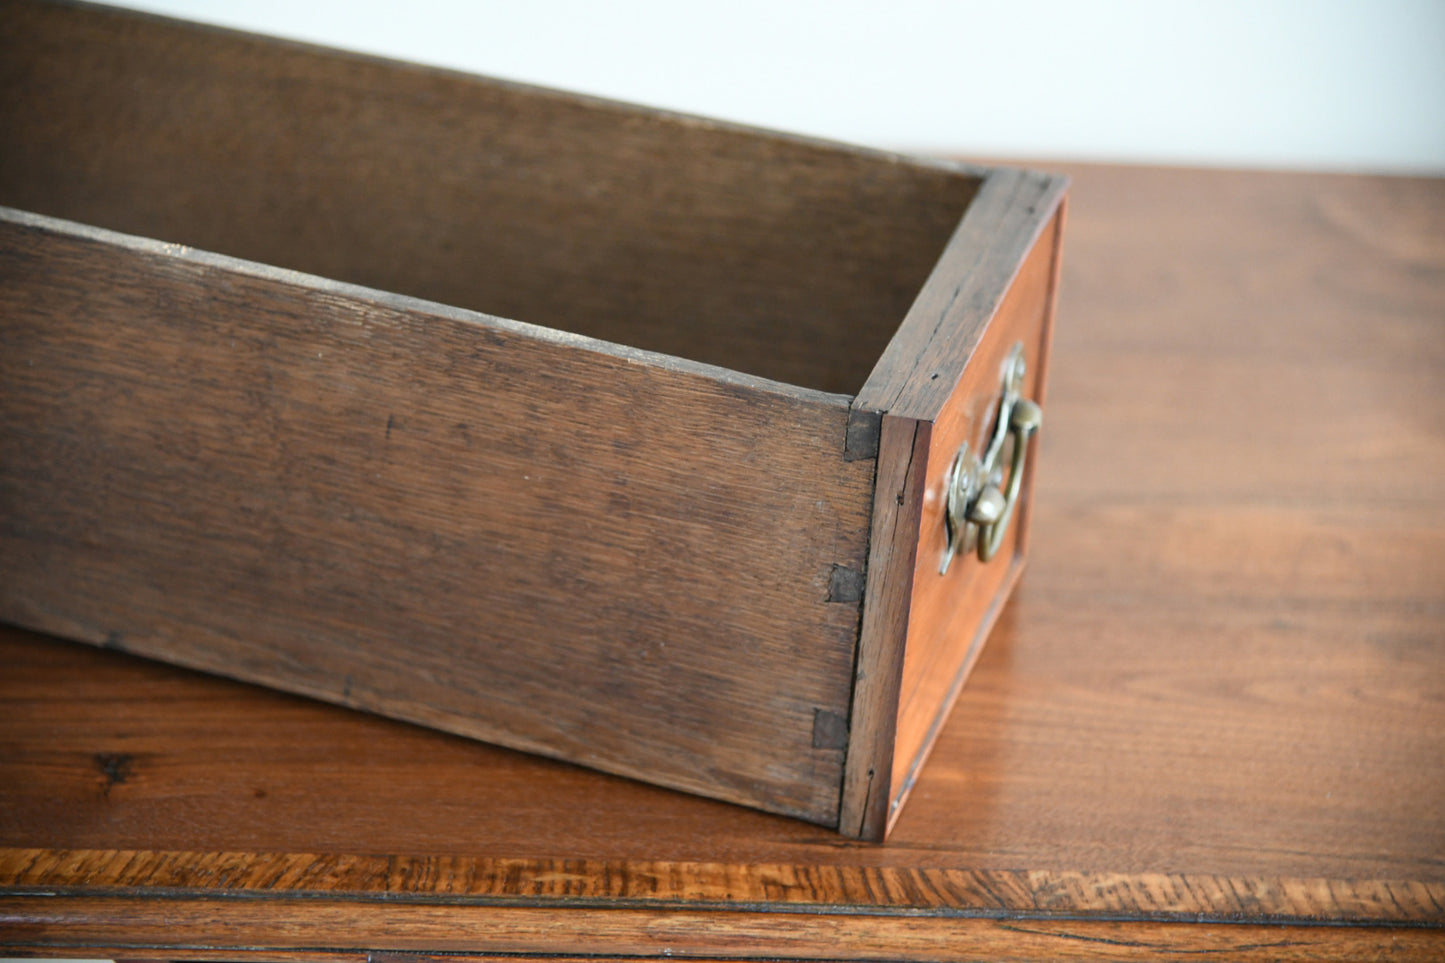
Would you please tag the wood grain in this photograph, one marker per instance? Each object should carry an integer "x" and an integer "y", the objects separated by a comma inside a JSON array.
[
  {"x": 215, "y": 926},
  {"x": 570, "y": 212},
  {"x": 1217, "y": 693},
  {"x": 893, "y": 542},
  {"x": 458, "y": 880},
  {"x": 427, "y": 513}
]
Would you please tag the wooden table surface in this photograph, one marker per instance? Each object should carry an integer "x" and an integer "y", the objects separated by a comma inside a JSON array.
[{"x": 1212, "y": 720}]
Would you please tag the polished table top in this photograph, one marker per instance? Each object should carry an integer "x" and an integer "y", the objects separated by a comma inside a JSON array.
[{"x": 1211, "y": 719}]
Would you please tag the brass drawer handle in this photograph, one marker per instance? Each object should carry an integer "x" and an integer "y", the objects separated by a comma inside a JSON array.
[{"x": 978, "y": 507}]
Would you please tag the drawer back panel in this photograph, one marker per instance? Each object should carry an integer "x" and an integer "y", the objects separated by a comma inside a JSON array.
[{"x": 766, "y": 254}]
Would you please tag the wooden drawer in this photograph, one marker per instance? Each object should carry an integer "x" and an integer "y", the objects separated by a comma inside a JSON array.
[{"x": 267, "y": 412}]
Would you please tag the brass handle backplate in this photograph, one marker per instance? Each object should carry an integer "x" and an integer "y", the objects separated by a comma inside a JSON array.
[{"x": 978, "y": 504}]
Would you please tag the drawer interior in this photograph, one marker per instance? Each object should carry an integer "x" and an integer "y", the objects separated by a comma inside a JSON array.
[{"x": 766, "y": 254}]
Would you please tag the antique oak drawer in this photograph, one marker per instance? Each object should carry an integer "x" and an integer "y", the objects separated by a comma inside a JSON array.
[{"x": 632, "y": 439}]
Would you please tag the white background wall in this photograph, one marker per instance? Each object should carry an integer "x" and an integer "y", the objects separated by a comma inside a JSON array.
[{"x": 1332, "y": 84}]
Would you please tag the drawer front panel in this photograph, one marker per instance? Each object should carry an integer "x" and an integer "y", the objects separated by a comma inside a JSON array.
[{"x": 952, "y": 612}]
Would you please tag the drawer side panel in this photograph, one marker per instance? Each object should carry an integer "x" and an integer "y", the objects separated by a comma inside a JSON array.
[{"x": 503, "y": 532}]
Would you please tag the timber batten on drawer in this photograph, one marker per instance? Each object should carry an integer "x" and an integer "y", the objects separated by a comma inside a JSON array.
[{"x": 689, "y": 531}]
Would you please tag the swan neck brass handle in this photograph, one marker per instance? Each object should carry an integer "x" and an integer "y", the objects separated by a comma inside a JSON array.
[
  {"x": 978, "y": 503},
  {"x": 1024, "y": 421}
]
